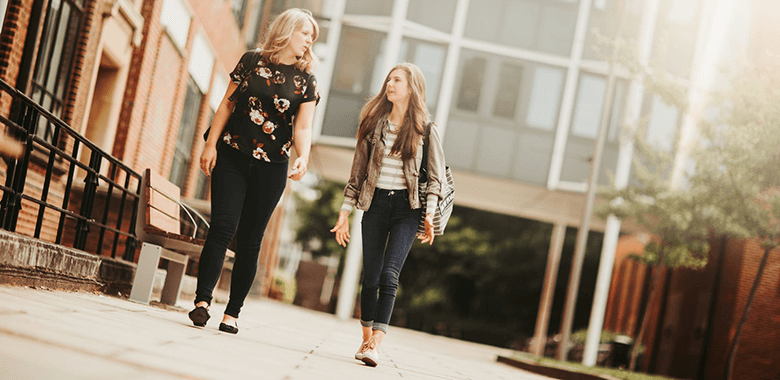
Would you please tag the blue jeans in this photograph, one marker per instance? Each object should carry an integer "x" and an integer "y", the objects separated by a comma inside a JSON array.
[
  {"x": 389, "y": 227},
  {"x": 244, "y": 193}
]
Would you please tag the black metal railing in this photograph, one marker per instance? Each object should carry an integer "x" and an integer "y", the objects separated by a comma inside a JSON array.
[{"x": 55, "y": 167}]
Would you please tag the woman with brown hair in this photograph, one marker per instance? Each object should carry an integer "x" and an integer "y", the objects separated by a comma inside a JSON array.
[
  {"x": 383, "y": 183},
  {"x": 267, "y": 108}
]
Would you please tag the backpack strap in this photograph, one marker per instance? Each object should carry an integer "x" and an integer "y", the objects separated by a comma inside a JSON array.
[{"x": 424, "y": 163}]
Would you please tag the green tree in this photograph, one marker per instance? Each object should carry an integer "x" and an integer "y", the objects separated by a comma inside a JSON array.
[
  {"x": 678, "y": 219},
  {"x": 739, "y": 163},
  {"x": 734, "y": 190},
  {"x": 317, "y": 217}
]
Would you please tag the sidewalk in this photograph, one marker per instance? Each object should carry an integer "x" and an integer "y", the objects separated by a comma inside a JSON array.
[{"x": 51, "y": 334}]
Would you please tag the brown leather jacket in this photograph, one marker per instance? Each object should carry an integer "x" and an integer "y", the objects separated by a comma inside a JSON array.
[{"x": 367, "y": 164}]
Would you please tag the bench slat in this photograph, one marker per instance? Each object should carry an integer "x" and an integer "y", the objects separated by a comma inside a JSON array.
[{"x": 163, "y": 221}]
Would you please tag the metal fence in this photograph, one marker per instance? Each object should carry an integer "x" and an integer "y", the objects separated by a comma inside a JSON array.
[{"x": 61, "y": 161}]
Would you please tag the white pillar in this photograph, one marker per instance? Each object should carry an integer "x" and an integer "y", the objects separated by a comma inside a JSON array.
[
  {"x": 703, "y": 76},
  {"x": 548, "y": 288},
  {"x": 325, "y": 71},
  {"x": 395, "y": 36},
  {"x": 352, "y": 267},
  {"x": 451, "y": 66},
  {"x": 569, "y": 93},
  {"x": 625, "y": 156}
]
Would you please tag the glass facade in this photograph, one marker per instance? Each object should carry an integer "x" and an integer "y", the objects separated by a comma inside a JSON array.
[
  {"x": 429, "y": 57},
  {"x": 503, "y": 109},
  {"x": 585, "y": 127},
  {"x": 541, "y": 25},
  {"x": 356, "y": 78},
  {"x": 603, "y": 24},
  {"x": 420, "y": 11},
  {"x": 503, "y": 120},
  {"x": 55, "y": 56}
]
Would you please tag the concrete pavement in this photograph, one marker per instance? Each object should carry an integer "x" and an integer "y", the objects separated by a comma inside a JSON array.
[{"x": 67, "y": 335}]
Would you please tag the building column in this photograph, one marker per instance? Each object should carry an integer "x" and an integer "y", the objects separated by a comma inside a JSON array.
[
  {"x": 325, "y": 71},
  {"x": 395, "y": 36},
  {"x": 451, "y": 66},
  {"x": 352, "y": 268},
  {"x": 548, "y": 288},
  {"x": 625, "y": 156},
  {"x": 569, "y": 95}
]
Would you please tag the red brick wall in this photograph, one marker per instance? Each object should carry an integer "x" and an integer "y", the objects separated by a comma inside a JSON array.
[
  {"x": 14, "y": 33},
  {"x": 758, "y": 354},
  {"x": 626, "y": 288},
  {"x": 139, "y": 79},
  {"x": 683, "y": 325},
  {"x": 687, "y": 331}
]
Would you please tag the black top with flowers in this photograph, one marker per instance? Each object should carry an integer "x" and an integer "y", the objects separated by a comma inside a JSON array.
[{"x": 267, "y": 99}]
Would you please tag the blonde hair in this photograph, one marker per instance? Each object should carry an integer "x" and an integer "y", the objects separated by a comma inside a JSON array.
[
  {"x": 411, "y": 130},
  {"x": 280, "y": 32}
]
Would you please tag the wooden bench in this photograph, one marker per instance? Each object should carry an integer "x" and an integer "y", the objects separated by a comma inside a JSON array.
[{"x": 158, "y": 227}]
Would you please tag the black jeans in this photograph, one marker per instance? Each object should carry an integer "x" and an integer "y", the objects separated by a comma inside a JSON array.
[
  {"x": 244, "y": 193},
  {"x": 389, "y": 227}
]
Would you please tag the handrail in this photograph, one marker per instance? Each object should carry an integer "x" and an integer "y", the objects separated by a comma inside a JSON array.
[{"x": 78, "y": 187}]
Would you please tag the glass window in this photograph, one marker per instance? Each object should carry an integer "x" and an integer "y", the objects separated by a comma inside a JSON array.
[
  {"x": 218, "y": 89},
  {"x": 494, "y": 156},
  {"x": 542, "y": 25},
  {"x": 175, "y": 18},
  {"x": 507, "y": 90},
  {"x": 201, "y": 62},
  {"x": 187, "y": 126},
  {"x": 471, "y": 79},
  {"x": 356, "y": 77},
  {"x": 507, "y": 131},
  {"x": 422, "y": 11},
  {"x": 429, "y": 57},
  {"x": 369, "y": 7},
  {"x": 460, "y": 142},
  {"x": 662, "y": 126},
  {"x": 54, "y": 62},
  {"x": 3, "y": 7},
  {"x": 545, "y": 98},
  {"x": 584, "y": 131},
  {"x": 587, "y": 111},
  {"x": 604, "y": 19}
]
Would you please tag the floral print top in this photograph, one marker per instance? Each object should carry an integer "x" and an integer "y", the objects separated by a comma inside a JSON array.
[{"x": 267, "y": 99}]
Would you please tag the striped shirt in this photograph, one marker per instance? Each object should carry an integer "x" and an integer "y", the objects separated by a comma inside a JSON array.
[{"x": 391, "y": 175}]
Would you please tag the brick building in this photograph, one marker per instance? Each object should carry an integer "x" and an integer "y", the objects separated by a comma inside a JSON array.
[
  {"x": 694, "y": 315},
  {"x": 141, "y": 79}
]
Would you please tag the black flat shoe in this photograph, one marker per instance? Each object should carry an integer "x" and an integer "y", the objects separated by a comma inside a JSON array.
[
  {"x": 199, "y": 316},
  {"x": 228, "y": 328}
]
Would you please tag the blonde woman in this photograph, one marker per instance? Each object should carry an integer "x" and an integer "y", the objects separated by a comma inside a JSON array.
[
  {"x": 383, "y": 183},
  {"x": 267, "y": 108}
]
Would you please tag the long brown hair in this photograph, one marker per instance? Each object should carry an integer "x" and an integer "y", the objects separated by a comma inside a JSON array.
[
  {"x": 411, "y": 130},
  {"x": 281, "y": 30}
]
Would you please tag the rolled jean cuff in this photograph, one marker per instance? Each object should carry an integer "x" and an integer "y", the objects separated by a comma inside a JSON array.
[
  {"x": 366, "y": 323},
  {"x": 381, "y": 327}
]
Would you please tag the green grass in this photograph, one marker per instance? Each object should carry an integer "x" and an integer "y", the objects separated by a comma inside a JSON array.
[{"x": 578, "y": 367}]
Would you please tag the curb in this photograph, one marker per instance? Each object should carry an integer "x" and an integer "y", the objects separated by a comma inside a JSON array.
[{"x": 554, "y": 372}]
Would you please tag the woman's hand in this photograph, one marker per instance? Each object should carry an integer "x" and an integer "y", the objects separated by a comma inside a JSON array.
[
  {"x": 342, "y": 229},
  {"x": 208, "y": 159},
  {"x": 298, "y": 169},
  {"x": 429, "y": 235}
]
